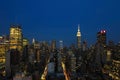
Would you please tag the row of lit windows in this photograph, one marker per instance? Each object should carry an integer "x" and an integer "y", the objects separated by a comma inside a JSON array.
[
  {"x": 15, "y": 36},
  {"x": 15, "y": 30}
]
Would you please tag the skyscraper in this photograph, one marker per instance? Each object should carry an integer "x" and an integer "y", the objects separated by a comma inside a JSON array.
[
  {"x": 108, "y": 56},
  {"x": 61, "y": 44},
  {"x": 78, "y": 38},
  {"x": 16, "y": 37},
  {"x": 101, "y": 37},
  {"x": 53, "y": 45},
  {"x": 25, "y": 42},
  {"x": 12, "y": 59}
]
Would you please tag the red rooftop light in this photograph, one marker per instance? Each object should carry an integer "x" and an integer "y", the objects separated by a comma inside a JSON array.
[{"x": 103, "y": 31}]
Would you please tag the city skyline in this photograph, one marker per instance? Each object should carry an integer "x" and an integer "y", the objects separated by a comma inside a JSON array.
[{"x": 58, "y": 20}]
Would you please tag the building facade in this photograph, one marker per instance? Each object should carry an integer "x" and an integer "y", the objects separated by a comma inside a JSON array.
[
  {"x": 16, "y": 39},
  {"x": 78, "y": 38},
  {"x": 101, "y": 37}
]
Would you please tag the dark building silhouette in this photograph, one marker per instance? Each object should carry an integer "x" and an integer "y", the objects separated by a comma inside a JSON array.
[
  {"x": 53, "y": 45},
  {"x": 12, "y": 61},
  {"x": 101, "y": 37}
]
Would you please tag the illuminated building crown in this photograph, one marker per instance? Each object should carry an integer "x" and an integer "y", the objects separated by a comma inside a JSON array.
[{"x": 78, "y": 33}]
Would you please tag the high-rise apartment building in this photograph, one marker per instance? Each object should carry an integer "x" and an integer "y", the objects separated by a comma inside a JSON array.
[{"x": 16, "y": 37}]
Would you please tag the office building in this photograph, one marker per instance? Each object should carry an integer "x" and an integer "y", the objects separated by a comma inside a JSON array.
[
  {"x": 109, "y": 55},
  {"x": 4, "y": 47},
  {"x": 101, "y": 37},
  {"x": 78, "y": 38},
  {"x": 53, "y": 45},
  {"x": 84, "y": 46},
  {"x": 25, "y": 42},
  {"x": 16, "y": 37}
]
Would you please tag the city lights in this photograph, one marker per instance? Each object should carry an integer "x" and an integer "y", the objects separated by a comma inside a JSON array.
[{"x": 45, "y": 61}]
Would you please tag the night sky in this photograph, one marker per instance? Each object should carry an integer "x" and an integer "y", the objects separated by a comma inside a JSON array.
[{"x": 58, "y": 19}]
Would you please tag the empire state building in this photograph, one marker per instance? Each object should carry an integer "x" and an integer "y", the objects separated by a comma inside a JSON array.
[{"x": 78, "y": 38}]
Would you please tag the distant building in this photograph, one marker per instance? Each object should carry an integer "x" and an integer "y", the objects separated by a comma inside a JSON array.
[
  {"x": 12, "y": 60},
  {"x": 109, "y": 56},
  {"x": 99, "y": 55},
  {"x": 53, "y": 45},
  {"x": 31, "y": 57},
  {"x": 78, "y": 38},
  {"x": 14, "y": 57},
  {"x": 84, "y": 46},
  {"x": 51, "y": 67},
  {"x": 61, "y": 44},
  {"x": 73, "y": 63},
  {"x": 101, "y": 37},
  {"x": 36, "y": 44},
  {"x": 7, "y": 64},
  {"x": 16, "y": 37},
  {"x": 33, "y": 41},
  {"x": 4, "y": 47},
  {"x": 59, "y": 59},
  {"x": 25, "y": 42},
  {"x": 56, "y": 61},
  {"x": 115, "y": 70},
  {"x": 21, "y": 76},
  {"x": 111, "y": 45},
  {"x": 37, "y": 56}
]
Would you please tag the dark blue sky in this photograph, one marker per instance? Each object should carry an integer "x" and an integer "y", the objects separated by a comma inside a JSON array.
[{"x": 58, "y": 19}]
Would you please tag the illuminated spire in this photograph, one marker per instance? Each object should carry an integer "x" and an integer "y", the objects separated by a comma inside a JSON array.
[
  {"x": 33, "y": 40},
  {"x": 78, "y": 28},
  {"x": 78, "y": 33}
]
